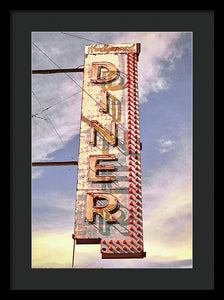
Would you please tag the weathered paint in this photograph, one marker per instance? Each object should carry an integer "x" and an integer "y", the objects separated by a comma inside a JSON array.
[{"x": 108, "y": 199}]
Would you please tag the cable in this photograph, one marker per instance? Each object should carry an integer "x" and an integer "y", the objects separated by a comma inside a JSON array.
[
  {"x": 79, "y": 37},
  {"x": 63, "y": 100},
  {"x": 46, "y": 55},
  {"x": 71, "y": 77},
  {"x": 50, "y": 121},
  {"x": 65, "y": 72},
  {"x": 38, "y": 117}
]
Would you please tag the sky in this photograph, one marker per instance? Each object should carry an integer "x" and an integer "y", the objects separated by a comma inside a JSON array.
[{"x": 165, "y": 96}]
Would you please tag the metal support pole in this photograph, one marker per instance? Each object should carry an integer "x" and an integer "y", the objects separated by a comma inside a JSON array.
[
  {"x": 54, "y": 163},
  {"x": 73, "y": 252},
  {"x": 50, "y": 71}
]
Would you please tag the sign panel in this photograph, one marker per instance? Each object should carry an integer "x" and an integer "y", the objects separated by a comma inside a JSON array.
[{"x": 108, "y": 198}]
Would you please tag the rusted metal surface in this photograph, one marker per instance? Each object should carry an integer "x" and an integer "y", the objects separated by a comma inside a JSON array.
[
  {"x": 113, "y": 49},
  {"x": 95, "y": 168},
  {"x": 105, "y": 211},
  {"x": 108, "y": 197}
]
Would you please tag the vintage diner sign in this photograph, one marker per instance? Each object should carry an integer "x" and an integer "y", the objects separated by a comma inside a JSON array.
[{"x": 108, "y": 206}]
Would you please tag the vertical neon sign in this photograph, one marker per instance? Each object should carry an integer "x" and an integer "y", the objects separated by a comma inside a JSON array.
[{"x": 109, "y": 198}]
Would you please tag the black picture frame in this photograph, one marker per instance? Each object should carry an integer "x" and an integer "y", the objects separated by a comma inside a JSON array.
[{"x": 22, "y": 276}]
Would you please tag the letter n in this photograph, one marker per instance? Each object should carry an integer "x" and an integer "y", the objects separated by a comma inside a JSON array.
[{"x": 110, "y": 137}]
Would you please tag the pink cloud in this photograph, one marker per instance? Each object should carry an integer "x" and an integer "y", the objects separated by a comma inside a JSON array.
[{"x": 155, "y": 46}]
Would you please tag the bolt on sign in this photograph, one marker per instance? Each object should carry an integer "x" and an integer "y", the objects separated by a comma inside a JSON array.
[{"x": 109, "y": 196}]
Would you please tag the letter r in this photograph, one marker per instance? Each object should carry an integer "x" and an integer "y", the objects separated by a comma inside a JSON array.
[{"x": 103, "y": 211}]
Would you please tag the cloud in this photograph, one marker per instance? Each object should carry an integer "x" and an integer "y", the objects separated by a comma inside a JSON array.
[
  {"x": 61, "y": 122},
  {"x": 185, "y": 263},
  {"x": 167, "y": 203},
  {"x": 52, "y": 249},
  {"x": 37, "y": 172},
  {"x": 167, "y": 188},
  {"x": 167, "y": 227},
  {"x": 158, "y": 53},
  {"x": 157, "y": 59},
  {"x": 166, "y": 145},
  {"x": 53, "y": 210}
]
